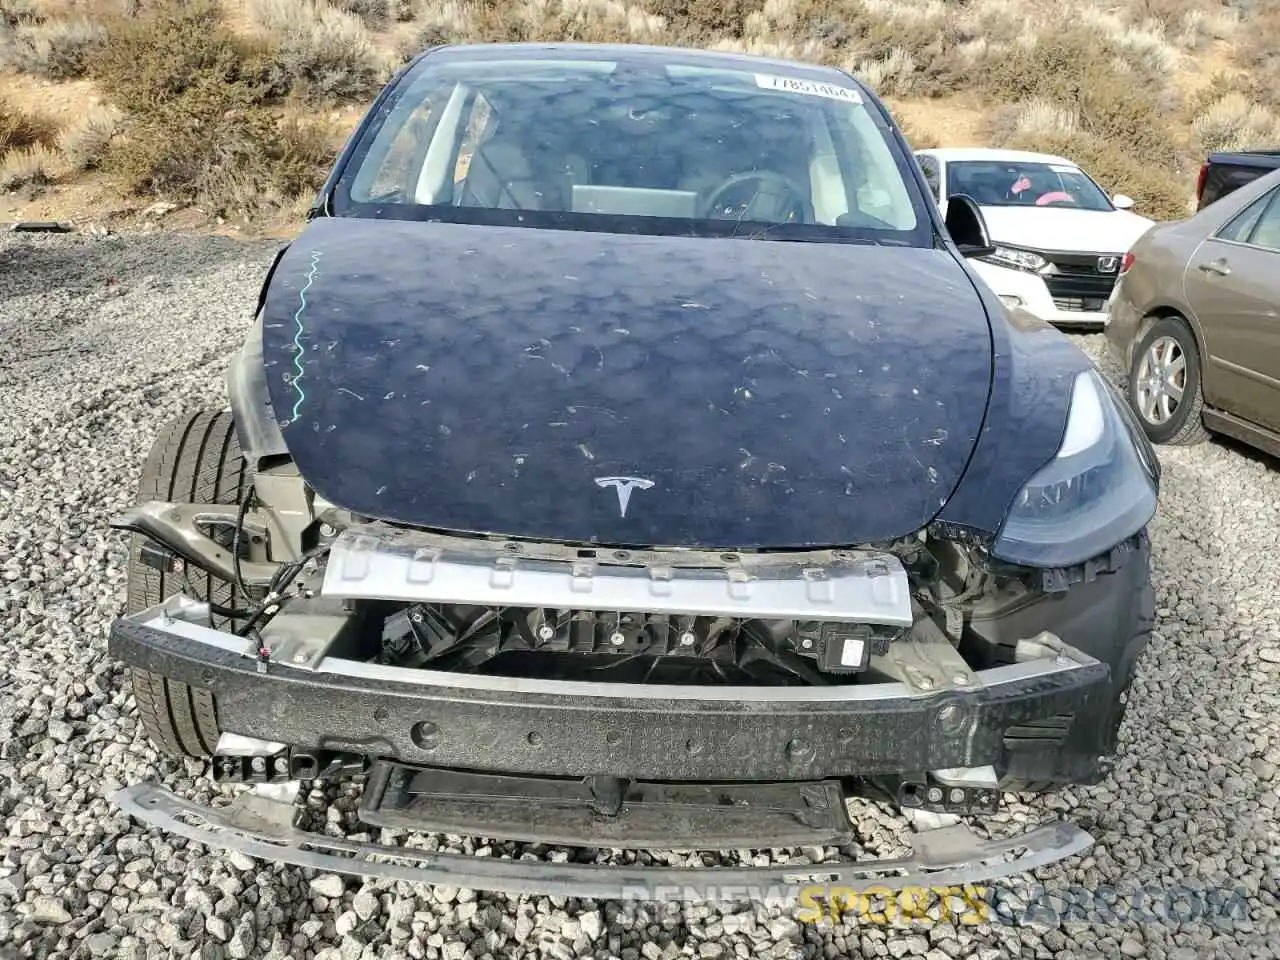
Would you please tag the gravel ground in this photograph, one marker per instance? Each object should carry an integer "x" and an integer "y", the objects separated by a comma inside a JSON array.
[{"x": 103, "y": 339}]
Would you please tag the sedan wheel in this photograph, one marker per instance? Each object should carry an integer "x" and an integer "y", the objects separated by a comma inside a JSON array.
[
  {"x": 1164, "y": 383},
  {"x": 1162, "y": 380}
]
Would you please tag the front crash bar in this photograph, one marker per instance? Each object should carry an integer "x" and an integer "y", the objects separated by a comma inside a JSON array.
[
  {"x": 260, "y": 827},
  {"x": 177, "y": 526},
  {"x": 558, "y": 728}
]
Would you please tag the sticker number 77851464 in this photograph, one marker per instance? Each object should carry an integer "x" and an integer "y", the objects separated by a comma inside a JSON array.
[{"x": 811, "y": 88}]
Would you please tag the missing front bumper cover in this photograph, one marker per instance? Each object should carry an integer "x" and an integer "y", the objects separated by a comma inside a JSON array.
[
  {"x": 647, "y": 732},
  {"x": 950, "y": 856}
]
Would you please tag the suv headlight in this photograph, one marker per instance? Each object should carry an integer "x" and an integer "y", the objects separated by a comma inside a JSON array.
[
  {"x": 1099, "y": 489},
  {"x": 1018, "y": 259}
]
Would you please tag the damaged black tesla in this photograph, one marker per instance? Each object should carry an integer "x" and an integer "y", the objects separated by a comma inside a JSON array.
[{"x": 626, "y": 456}]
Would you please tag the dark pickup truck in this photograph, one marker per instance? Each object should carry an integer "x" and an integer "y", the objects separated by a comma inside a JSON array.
[{"x": 1222, "y": 173}]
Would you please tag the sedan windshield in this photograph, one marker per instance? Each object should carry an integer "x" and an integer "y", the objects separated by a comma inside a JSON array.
[
  {"x": 641, "y": 145},
  {"x": 1022, "y": 184}
]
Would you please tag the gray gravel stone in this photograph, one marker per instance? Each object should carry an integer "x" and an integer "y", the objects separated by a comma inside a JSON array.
[
  {"x": 103, "y": 339},
  {"x": 328, "y": 885},
  {"x": 365, "y": 904},
  {"x": 49, "y": 910}
]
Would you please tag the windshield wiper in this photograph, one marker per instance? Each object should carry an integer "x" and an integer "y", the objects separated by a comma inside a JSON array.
[{"x": 766, "y": 233}]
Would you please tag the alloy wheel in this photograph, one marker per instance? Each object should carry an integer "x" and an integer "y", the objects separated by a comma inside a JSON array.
[{"x": 1161, "y": 380}]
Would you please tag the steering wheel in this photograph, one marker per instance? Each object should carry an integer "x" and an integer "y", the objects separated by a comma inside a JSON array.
[{"x": 775, "y": 199}]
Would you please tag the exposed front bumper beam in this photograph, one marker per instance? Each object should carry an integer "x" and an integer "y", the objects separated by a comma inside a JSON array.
[
  {"x": 945, "y": 857},
  {"x": 956, "y": 718}
]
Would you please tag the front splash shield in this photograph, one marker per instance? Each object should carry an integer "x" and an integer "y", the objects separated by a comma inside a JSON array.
[{"x": 263, "y": 827}]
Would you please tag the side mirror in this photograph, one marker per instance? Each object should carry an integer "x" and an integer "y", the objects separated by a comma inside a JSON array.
[
  {"x": 967, "y": 226},
  {"x": 1122, "y": 202}
]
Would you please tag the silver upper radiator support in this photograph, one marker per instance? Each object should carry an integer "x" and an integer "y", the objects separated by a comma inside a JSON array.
[{"x": 375, "y": 561}]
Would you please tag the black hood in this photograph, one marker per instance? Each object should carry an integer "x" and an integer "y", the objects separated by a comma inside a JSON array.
[{"x": 519, "y": 382}]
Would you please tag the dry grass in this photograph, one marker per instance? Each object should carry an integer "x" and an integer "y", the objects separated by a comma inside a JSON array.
[
  {"x": 374, "y": 13},
  {"x": 20, "y": 128},
  {"x": 199, "y": 127},
  {"x": 1235, "y": 122},
  {"x": 53, "y": 49},
  {"x": 317, "y": 51},
  {"x": 27, "y": 166},
  {"x": 18, "y": 12},
  {"x": 85, "y": 143},
  {"x": 1100, "y": 80}
]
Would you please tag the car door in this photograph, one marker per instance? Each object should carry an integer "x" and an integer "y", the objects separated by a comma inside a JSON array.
[{"x": 1233, "y": 285}]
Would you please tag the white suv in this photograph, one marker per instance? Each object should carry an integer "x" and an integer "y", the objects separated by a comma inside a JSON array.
[{"x": 1059, "y": 238}]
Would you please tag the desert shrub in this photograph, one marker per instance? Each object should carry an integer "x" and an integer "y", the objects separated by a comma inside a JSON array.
[
  {"x": 197, "y": 127},
  {"x": 231, "y": 159},
  {"x": 859, "y": 34},
  {"x": 1036, "y": 119},
  {"x": 704, "y": 19},
  {"x": 27, "y": 165},
  {"x": 1195, "y": 27},
  {"x": 1113, "y": 100},
  {"x": 1187, "y": 23},
  {"x": 809, "y": 50},
  {"x": 599, "y": 21},
  {"x": 436, "y": 22},
  {"x": 320, "y": 52},
  {"x": 84, "y": 143},
  {"x": 54, "y": 49},
  {"x": 1144, "y": 42},
  {"x": 375, "y": 13},
  {"x": 1057, "y": 68},
  {"x": 17, "y": 12},
  {"x": 890, "y": 75},
  {"x": 1235, "y": 122},
  {"x": 20, "y": 128},
  {"x": 167, "y": 51},
  {"x": 1259, "y": 54}
]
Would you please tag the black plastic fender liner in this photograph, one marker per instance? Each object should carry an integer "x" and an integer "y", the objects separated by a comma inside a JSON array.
[{"x": 945, "y": 857}]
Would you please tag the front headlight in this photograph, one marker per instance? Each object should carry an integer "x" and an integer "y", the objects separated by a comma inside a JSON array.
[
  {"x": 1099, "y": 489},
  {"x": 1018, "y": 259}
]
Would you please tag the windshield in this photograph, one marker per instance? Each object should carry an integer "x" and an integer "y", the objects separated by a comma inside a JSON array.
[
  {"x": 1021, "y": 184},
  {"x": 640, "y": 146}
]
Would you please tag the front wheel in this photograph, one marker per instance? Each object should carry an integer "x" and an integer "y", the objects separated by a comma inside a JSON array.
[
  {"x": 196, "y": 459},
  {"x": 1165, "y": 384}
]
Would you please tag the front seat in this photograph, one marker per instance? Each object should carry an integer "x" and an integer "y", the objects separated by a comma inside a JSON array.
[
  {"x": 499, "y": 176},
  {"x": 524, "y": 170}
]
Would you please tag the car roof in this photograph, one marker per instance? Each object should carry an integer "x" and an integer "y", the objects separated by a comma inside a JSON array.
[
  {"x": 948, "y": 154},
  {"x": 639, "y": 53}
]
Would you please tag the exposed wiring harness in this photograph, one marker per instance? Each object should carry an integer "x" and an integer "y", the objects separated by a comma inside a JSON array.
[{"x": 270, "y": 605}]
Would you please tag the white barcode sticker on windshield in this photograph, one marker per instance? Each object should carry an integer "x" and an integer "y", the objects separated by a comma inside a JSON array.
[
  {"x": 809, "y": 88},
  {"x": 1061, "y": 168}
]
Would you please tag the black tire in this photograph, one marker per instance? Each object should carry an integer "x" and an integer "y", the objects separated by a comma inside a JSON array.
[
  {"x": 195, "y": 459},
  {"x": 1186, "y": 423}
]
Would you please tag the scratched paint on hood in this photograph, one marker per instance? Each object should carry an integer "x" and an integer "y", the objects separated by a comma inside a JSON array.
[{"x": 768, "y": 394}]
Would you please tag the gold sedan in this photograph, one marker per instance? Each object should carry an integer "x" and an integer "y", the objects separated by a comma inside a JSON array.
[{"x": 1195, "y": 318}]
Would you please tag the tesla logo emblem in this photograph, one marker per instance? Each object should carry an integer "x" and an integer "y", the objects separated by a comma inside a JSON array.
[
  {"x": 1108, "y": 264},
  {"x": 624, "y": 486}
]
